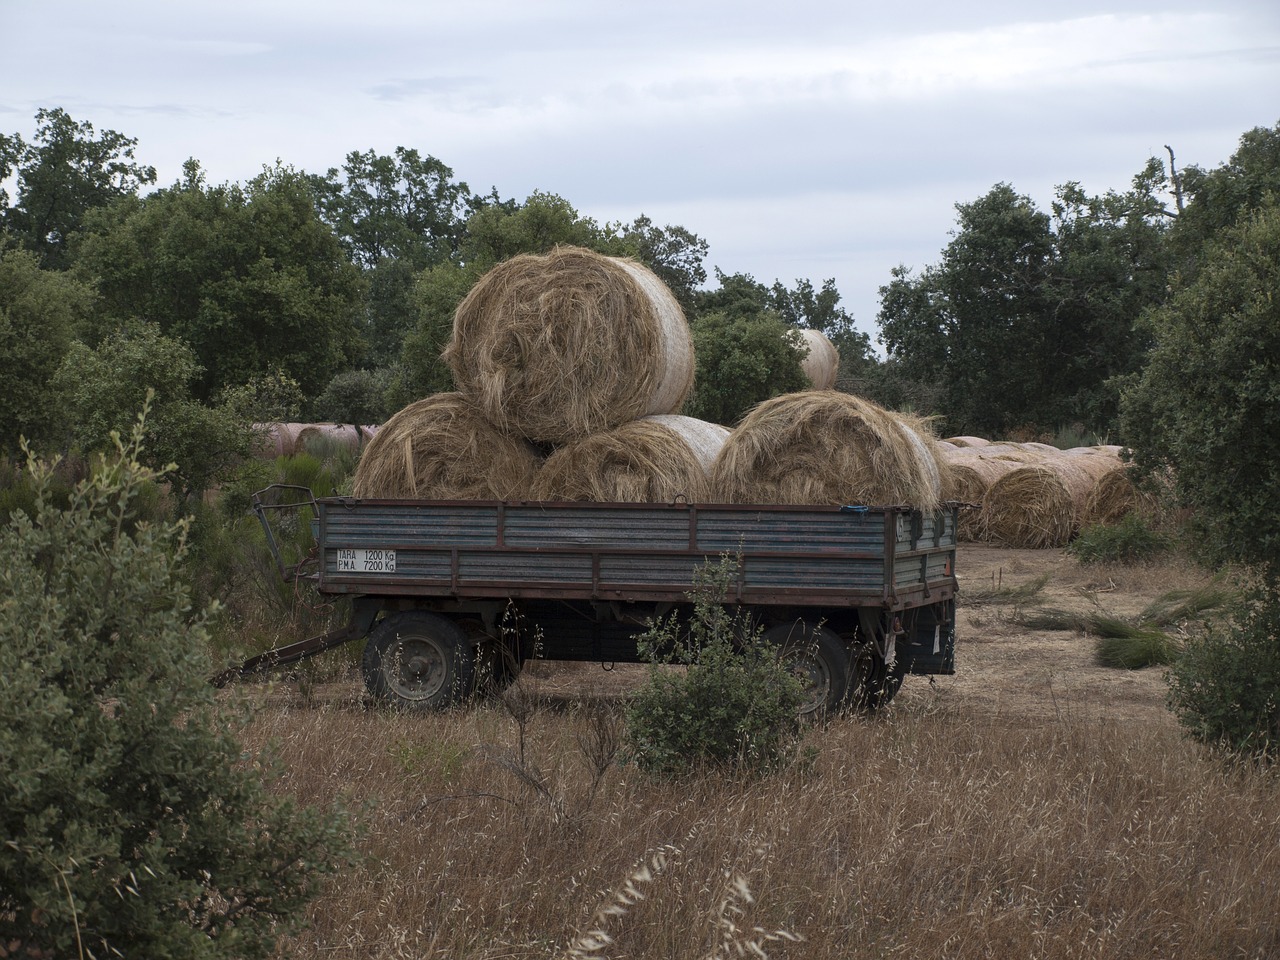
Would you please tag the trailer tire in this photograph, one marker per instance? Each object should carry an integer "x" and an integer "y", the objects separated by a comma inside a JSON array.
[
  {"x": 874, "y": 683},
  {"x": 419, "y": 661},
  {"x": 818, "y": 658}
]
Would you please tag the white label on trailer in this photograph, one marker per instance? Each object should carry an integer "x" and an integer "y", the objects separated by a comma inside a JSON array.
[{"x": 366, "y": 561}]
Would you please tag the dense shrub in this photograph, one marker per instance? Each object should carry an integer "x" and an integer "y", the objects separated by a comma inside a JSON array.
[
  {"x": 1132, "y": 540},
  {"x": 132, "y": 824},
  {"x": 1225, "y": 686},
  {"x": 734, "y": 703}
]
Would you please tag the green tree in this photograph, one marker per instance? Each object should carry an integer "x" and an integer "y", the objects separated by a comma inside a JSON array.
[
  {"x": 1206, "y": 408},
  {"x": 1217, "y": 198},
  {"x": 741, "y": 360},
  {"x": 131, "y": 824},
  {"x": 1029, "y": 319},
  {"x": 675, "y": 254},
  {"x": 40, "y": 312},
  {"x": 395, "y": 215},
  {"x": 63, "y": 173},
  {"x": 97, "y": 389},
  {"x": 401, "y": 207},
  {"x": 250, "y": 277}
]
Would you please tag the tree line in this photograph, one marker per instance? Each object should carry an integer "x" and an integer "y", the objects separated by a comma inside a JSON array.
[{"x": 330, "y": 295}]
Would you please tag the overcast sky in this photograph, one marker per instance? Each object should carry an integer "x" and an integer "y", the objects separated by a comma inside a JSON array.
[{"x": 802, "y": 139}]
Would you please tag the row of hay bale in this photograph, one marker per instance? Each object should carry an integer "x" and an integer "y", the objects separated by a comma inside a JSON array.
[
  {"x": 1033, "y": 494},
  {"x": 286, "y": 439},
  {"x": 570, "y": 370}
]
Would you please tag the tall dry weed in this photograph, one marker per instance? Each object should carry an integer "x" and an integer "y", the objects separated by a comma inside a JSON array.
[{"x": 925, "y": 833}]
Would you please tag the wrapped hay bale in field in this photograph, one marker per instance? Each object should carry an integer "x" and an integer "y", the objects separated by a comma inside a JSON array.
[
  {"x": 441, "y": 448},
  {"x": 1039, "y": 504},
  {"x": 651, "y": 460},
  {"x": 562, "y": 346},
  {"x": 276, "y": 439},
  {"x": 825, "y": 447},
  {"x": 822, "y": 363},
  {"x": 345, "y": 436}
]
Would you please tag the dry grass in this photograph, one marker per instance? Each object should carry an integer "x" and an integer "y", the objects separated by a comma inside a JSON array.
[
  {"x": 442, "y": 448},
  {"x": 826, "y": 447},
  {"x": 562, "y": 346},
  {"x": 1033, "y": 805},
  {"x": 652, "y": 460},
  {"x": 928, "y": 833}
]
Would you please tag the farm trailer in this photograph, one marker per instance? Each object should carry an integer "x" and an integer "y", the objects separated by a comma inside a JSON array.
[{"x": 451, "y": 596}]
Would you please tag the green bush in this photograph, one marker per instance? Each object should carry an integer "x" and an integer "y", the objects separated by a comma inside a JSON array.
[
  {"x": 1132, "y": 540},
  {"x": 1225, "y": 686},
  {"x": 732, "y": 702},
  {"x": 130, "y": 823},
  {"x": 1136, "y": 649}
]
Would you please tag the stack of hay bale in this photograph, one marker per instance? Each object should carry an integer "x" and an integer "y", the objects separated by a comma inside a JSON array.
[
  {"x": 578, "y": 355},
  {"x": 570, "y": 369},
  {"x": 1033, "y": 494},
  {"x": 286, "y": 439}
]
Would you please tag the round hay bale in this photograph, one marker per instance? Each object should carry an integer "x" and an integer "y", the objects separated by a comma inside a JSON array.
[
  {"x": 822, "y": 362},
  {"x": 1115, "y": 496},
  {"x": 1035, "y": 446},
  {"x": 826, "y": 447},
  {"x": 1029, "y": 507},
  {"x": 562, "y": 346},
  {"x": 276, "y": 439},
  {"x": 345, "y": 436},
  {"x": 969, "y": 478},
  {"x": 967, "y": 441},
  {"x": 656, "y": 459},
  {"x": 1040, "y": 504},
  {"x": 441, "y": 448}
]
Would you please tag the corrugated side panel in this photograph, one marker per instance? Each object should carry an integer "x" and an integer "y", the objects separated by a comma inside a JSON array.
[
  {"x": 375, "y": 526},
  {"x": 568, "y": 526},
  {"x": 752, "y": 531},
  {"x": 523, "y": 568},
  {"x": 936, "y": 567}
]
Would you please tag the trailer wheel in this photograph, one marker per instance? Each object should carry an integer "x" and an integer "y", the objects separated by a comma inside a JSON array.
[
  {"x": 874, "y": 683},
  {"x": 819, "y": 659},
  {"x": 418, "y": 660}
]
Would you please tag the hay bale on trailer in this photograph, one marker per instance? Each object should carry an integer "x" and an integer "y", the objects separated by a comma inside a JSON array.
[
  {"x": 822, "y": 362},
  {"x": 441, "y": 448},
  {"x": 826, "y": 447},
  {"x": 654, "y": 459},
  {"x": 562, "y": 346}
]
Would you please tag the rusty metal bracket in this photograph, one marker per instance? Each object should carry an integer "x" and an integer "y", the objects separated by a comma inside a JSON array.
[{"x": 288, "y": 572}]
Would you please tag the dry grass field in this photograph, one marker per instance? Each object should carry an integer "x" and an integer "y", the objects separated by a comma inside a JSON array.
[{"x": 1033, "y": 805}]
